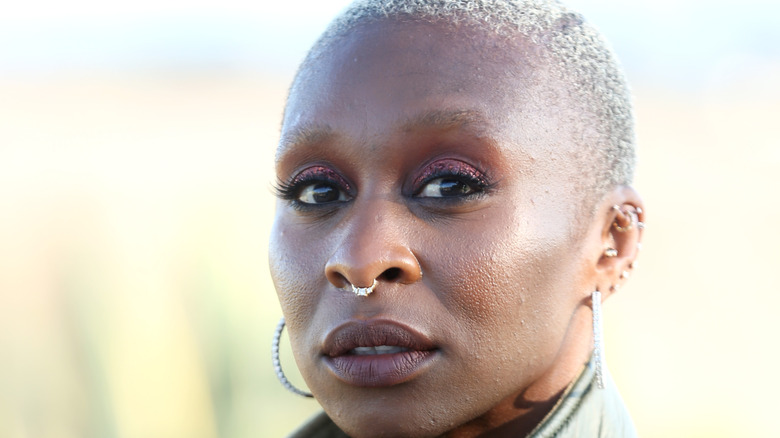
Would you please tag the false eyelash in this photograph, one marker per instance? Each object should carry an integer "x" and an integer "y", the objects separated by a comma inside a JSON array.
[
  {"x": 290, "y": 191},
  {"x": 312, "y": 175},
  {"x": 452, "y": 168},
  {"x": 286, "y": 191},
  {"x": 480, "y": 183}
]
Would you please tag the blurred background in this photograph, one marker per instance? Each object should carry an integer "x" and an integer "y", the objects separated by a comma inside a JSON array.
[{"x": 136, "y": 143}]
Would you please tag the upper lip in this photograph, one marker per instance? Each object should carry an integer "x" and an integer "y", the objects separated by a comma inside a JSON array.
[{"x": 373, "y": 333}]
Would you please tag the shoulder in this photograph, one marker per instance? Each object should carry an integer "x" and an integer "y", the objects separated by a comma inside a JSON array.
[{"x": 585, "y": 410}]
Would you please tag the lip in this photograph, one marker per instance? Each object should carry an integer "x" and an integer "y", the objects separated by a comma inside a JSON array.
[{"x": 382, "y": 369}]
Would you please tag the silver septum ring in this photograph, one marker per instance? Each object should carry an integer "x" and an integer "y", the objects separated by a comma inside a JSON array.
[{"x": 363, "y": 291}]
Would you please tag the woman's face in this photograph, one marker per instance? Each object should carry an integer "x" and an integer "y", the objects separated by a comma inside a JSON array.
[{"x": 443, "y": 170}]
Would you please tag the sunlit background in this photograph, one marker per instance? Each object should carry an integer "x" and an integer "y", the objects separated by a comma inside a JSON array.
[{"x": 135, "y": 165}]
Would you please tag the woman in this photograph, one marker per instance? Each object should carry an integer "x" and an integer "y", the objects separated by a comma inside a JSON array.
[{"x": 454, "y": 204}]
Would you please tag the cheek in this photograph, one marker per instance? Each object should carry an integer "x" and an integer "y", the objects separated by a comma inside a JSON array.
[
  {"x": 295, "y": 273},
  {"x": 500, "y": 285},
  {"x": 509, "y": 290}
]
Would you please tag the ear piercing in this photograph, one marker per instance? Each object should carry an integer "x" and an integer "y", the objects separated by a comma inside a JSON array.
[
  {"x": 278, "y": 364},
  {"x": 623, "y": 275},
  {"x": 617, "y": 225},
  {"x": 598, "y": 339},
  {"x": 363, "y": 291},
  {"x": 639, "y": 224},
  {"x": 633, "y": 218}
]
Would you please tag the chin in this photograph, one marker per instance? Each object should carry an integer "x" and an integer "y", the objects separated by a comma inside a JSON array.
[
  {"x": 406, "y": 410},
  {"x": 387, "y": 425}
]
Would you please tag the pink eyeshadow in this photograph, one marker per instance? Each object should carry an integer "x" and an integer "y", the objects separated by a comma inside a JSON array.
[
  {"x": 321, "y": 172},
  {"x": 456, "y": 167}
]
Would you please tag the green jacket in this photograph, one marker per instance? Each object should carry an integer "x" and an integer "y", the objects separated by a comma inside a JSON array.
[{"x": 583, "y": 411}]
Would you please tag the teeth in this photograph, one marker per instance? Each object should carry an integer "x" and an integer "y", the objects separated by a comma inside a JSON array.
[{"x": 379, "y": 349}]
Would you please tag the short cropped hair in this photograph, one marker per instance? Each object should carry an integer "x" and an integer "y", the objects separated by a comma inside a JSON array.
[{"x": 574, "y": 51}]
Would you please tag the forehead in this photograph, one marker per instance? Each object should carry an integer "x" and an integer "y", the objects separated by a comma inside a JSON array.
[{"x": 391, "y": 75}]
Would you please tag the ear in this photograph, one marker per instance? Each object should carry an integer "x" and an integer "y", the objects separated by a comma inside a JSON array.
[{"x": 621, "y": 215}]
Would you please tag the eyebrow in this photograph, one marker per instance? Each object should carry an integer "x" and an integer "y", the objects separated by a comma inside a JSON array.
[
  {"x": 445, "y": 119},
  {"x": 314, "y": 133},
  {"x": 307, "y": 134}
]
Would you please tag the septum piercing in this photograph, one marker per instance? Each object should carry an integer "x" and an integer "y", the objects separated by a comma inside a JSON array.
[{"x": 363, "y": 291}]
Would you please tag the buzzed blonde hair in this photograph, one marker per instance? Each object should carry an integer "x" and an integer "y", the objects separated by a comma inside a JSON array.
[{"x": 575, "y": 51}]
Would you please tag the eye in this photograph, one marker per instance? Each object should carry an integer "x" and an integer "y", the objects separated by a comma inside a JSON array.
[
  {"x": 446, "y": 187},
  {"x": 451, "y": 179},
  {"x": 320, "y": 193},
  {"x": 314, "y": 186}
]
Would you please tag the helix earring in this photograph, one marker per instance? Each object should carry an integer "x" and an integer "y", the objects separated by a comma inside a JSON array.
[
  {"x": 639, "y": 224},
  {"x": 631, "y": 219},
  {"x": 598, "y": 339},
  {"x": 278, "y": 365}
]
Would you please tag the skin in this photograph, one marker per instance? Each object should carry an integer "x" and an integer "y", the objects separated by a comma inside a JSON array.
[{"x": 499, "y": 281}]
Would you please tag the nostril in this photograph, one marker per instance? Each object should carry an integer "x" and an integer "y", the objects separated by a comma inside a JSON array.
[
  {"x": 391, "y": 274},
  {"x": 337, "y": 279}
]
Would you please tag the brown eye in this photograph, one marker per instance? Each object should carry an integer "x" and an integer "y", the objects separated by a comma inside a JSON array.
[
  {"x": 321, "y": 193},
  {"x": 446, "y": 187}
]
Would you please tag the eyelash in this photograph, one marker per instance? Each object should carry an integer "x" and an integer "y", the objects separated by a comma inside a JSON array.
[
  {"x": 315, "y": 174},
  {"x": 290, "y": 191},
  {"x": 478, "y": 180}
]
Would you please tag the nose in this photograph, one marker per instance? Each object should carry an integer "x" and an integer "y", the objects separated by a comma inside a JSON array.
[{"x": 372, "y": 247}]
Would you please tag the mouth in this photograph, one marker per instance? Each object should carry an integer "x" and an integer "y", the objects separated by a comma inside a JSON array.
[
  {"x": 377, "y": 353},
  {"x": 379, "y": 349}
]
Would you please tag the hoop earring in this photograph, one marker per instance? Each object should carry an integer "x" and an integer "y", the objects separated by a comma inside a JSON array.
[
  {"x": 598, "y": 339},
  {"x": 363, "y": 291},
  {"x": 278, "y": 365}
]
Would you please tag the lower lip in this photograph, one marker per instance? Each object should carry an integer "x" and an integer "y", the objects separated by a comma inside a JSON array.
[{"x": 380, "y": 369}]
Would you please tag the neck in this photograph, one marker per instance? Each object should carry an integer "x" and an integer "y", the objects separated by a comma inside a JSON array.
[{"x": 518, "y": 414}]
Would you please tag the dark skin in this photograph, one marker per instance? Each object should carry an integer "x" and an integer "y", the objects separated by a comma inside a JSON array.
[{"x": 441, "y": 167}]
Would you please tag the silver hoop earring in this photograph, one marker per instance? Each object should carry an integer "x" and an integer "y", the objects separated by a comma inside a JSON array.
[
  {"x": 598, "y": 339},
  {"x": 278, "y": 365},
  {"x": 363, "y": 291}
]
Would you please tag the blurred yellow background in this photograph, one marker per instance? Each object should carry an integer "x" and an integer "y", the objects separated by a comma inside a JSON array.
[{"x": 136, "y": 148}]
